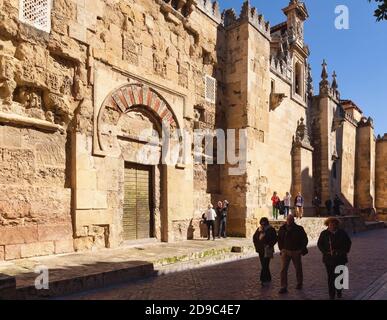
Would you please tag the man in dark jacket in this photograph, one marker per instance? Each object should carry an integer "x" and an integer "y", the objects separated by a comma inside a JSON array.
[
  {"x": 335, "y": 244},
  {"x": 264, "y": 240},
  {"x": 293, "y": 242}
]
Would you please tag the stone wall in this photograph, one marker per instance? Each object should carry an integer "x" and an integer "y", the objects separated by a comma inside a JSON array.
[
  {"x": 365, "y": 168},
  {"x": 381, "y": 177}
]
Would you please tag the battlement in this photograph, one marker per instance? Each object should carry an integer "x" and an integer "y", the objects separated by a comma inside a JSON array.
[
  {"x": 249, "y": 14},
  {"x": 382, "y": 139},
  {"x": 366, "y": 122},
  {"x": 211, "y": 9}
]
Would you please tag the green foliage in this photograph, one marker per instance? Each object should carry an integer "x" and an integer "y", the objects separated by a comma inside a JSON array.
[{"x": 381, "y": 11}]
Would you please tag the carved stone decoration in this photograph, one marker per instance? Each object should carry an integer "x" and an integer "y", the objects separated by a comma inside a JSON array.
[
  {"x": 276, "y": 99},
  {"x": 127, "y": 98},
  {"x": 302, "y": 138},
  {"x": 159, "y": 66},
  {"x": 263, "y": 186}
]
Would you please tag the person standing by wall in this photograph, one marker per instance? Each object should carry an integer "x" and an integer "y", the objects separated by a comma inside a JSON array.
[
  {"x": 316, "y": 204},
  {"x": 299, "y": 205},
  {"x": 210, "y": 216},
  {"x": 287, "y": 202},
  {"x": 337, "y": 203},
  {"x": 275, "y": 201},
  {"x": 335, "y": 244},
  {"x": 219, "y": 210},
  {"x": 223, "y": 220},
  {"x": 292, "y": 242},
  {"x": 328, "y": 205},
  {"x": 264, "y": 240}
]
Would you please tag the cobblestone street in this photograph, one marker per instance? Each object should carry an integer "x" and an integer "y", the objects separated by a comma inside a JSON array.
[{"x": 239, "y": 280}]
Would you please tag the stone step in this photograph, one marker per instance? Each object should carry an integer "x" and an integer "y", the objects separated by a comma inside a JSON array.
[
  {"x": 81, "y": 281},
  {"x": 85, "y": 275},
  {"x": 375, "y": 225}
]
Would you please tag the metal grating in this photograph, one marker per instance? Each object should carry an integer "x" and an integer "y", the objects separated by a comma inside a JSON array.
[
  {"x": 36, "y": 13},
  {"x": 210, "y": 89}
]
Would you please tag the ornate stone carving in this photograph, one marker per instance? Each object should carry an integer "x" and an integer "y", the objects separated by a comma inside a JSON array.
[
  {"x": 159, "y": 66},
  {"x": 302, "y": 138}
]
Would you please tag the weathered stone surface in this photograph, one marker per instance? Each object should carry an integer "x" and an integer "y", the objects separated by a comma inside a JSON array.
[
  {"x": 2, "y": 253},
  {"x": 13, "y": 252},
  {"x": 64, "y": 246},
  {"x": 37, "y": 249},
  {"x": 54, "y": 232},
  {"x": 18, "y": 235}
]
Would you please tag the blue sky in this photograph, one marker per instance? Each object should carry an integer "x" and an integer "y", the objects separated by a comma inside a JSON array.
[{"x": 358, "y": 55}]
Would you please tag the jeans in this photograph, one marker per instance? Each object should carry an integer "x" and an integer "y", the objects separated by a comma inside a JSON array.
[
  {"x": 211, "y": 225},
  {"x": 286, "y": 257},
  {"x": 222, "y": 227},
  {"x": 287, "y": 211},
  {"x": 331, "y": 280},
  {"x": 265, "y": 271}
]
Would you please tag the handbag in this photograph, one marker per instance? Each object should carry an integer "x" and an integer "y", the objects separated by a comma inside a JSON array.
[{"x": 269, "y": 252}]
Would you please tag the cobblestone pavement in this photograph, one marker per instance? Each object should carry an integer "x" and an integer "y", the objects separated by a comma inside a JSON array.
[{"x": 239, "y": 280}]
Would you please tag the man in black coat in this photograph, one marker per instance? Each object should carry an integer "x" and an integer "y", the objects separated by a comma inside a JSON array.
[
  {"x": 264, "y": 240},
  {"x": 293, "y": 242},
  {"x": 335, "y": 244}
]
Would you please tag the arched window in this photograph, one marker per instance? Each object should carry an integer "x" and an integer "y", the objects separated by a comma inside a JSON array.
[{"x": 298, "y": 76}]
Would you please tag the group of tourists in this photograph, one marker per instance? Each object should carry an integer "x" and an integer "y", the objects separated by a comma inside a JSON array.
[
  {"x": 283, "y": 207},
  {"x": 216, "y": 217},
  {"x": 334, "y": 244}
]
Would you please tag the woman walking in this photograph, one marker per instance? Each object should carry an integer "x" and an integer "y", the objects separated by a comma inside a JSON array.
[
  {"x": 264, "y": 240},
  {"x": 287, "y": 202},
  {"x": 335, "y": 244},
  {"x": 276, "y": 202}
]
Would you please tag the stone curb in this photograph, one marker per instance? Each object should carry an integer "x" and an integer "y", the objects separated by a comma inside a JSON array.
[{"x": 377, "y": 290}]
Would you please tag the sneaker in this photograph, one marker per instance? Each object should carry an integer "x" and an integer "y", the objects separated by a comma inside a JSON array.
[
  {"x": 299, "y": 287},
  {"x": 283, "y": 290}
]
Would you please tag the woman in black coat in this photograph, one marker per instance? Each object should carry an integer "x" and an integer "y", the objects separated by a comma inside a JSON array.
[
  {"x": 264, "y": 240},
  {"x": 335, "y": 244}
]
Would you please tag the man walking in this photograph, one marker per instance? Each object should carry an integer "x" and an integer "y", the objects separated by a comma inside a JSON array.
[
  {"x": 210, "y": 216},
  {"x": 292, "y": 242},
  {"x": 335, "y": 244}
]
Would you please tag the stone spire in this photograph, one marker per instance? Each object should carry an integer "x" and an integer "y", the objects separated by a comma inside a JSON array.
[
  {"x": 335, "y": 86},
  {"x": 324, "y": 83},
  {"x": 324, "y": 73}
]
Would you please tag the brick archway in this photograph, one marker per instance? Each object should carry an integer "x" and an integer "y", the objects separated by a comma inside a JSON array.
[{"x": 130, "y": 96}]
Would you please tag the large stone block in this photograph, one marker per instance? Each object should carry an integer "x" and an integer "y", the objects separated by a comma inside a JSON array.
[
  {"x": 2, "y": 253},
  {"x": 13, "y": 252},
  {"x": 54, "y": 232},
  {"x": 18, "y": 235},
  {"x": 37, "y": 249},
  {"x": 86, "y": 179},
  {"x": 93, "y": 217},
  {"x": 64, "y": 246},
  {"x": 83, "y": 244}
]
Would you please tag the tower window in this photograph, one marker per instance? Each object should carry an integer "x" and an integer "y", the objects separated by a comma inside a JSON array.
[{"x": 298, "y": 79}]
